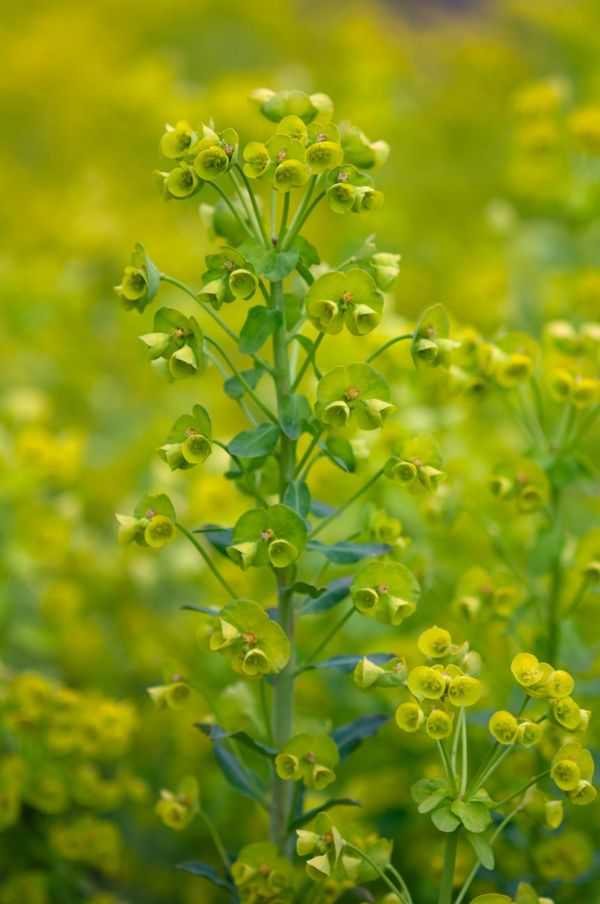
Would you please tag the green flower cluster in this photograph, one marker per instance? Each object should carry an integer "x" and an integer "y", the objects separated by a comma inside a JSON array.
[
  {"x": 229, "y": 277},
  {"x": 176, "y": 344},
  {"x": 261, "y": 874},
  {"x": 244, "y": 634},
  {"x": 415, "y": 463},
  {"x": 152, "y": 523}
]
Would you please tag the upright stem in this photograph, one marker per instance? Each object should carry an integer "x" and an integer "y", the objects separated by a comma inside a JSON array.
[
  {"x": 555, "y": 588},
  {"x": 283, "y": 683},
  {"x": 477, "y": 864},
  {"x": 448, "y": 872}
]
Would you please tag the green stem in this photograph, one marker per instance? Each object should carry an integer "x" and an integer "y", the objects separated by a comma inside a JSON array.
[
  {"x": 307, "y": 361},
  {"x": 264, "y": 408},
  {"x": 584, "y": 426},
  {"x": 284, "y": 218},
  {"x": 447, "y": 766},
  {"x": 570, "y": 422},
  {"x": 299, "y": 216},
  {"x": 576, "y": 599},
  {"x": 252, "y": 197},
  {"x": 493, "y": 766},
  {"x": 273, "y": 213},
  {"x": 233, "y": 209},
  {"x": 465, "y": 760},
  {"x": 477, "y": 864},
  {"x": 387, "y": 345},
  {"x": 326, "y": 640},
  {"x": 283, "y": 683},
  {"x": 306, "y": 216},
  {"x": 308, "y": 452},
  {"x": 447, "y": 883},
  {"x": 222, "y": 370},
  {"x": 209, "y": 561},
  {"x": 214, "y": 833},
  {"x": 555, "y": 587},
  {"x": 507, "y": 800},
  {"x": 401, "y": 883},
  {"x": 342, "y": 508},
  {"x": 456, "y": 738},
  {"x": 265, "y": 710},
  {"x": 304, "y": 474},
  {"x": 251, "y": 485},
  {"x": 240, "y": 195},
  {"x": 297, "y": 790},
  {"x": 374, "y": 866}
]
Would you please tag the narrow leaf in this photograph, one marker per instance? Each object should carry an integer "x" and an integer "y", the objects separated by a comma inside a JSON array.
[
  {"x": 348, "y": 737},
  {"x": 235, "y": 775},
  {"x": 254, "y": 443},
  {"x": 297, "y": 496},
  {"x": 218, "y": 537},
  {"x": 482, "y": 848},
  {"x": 216, "y": 733},
  {"x": 336, "y": 591},
  {"x": 308, "y": 589},
  {"x": 347, "y": 662},
  {"x": 310, "y": 814},
  {"x": 294, "y": 415},
  {"x": 347, "y": 553},
  {"x": 260, "y": 324},
  {"x": 200, "y": 609},
  {"x": 234, "y": 389},
  {"x": 207, "y": 872}
]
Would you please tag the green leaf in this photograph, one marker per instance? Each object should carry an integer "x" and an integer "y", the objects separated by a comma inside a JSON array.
[
  {"x": 443, "y": 818},
  {"x": 161, "y": 504},
  {"x": 310, "y": 814},
  {"x": 474, "y": 816},
  {"x": 152, "y": 272},
  {"x": 308, "y": 253},
  {"x": 492, "y": 899},
  {"x": 207, "y": 872},
  {"x": 297, "y": 496},
  {"x": 236, "y": 775},
  {"x": 204, "y": 609},
  {"x": 336, "y": 591},
  {"x": 216, "y": 733},
  {"x": 347, "y": 553},
  {"x": 348, "y": 737},
  {"x": 255, "y": 252},
  {"x": 525, "y": 894},
  {"x": 218, "y": 537},
  {"x": 341, "y": 450},
  {"x": 234, "y": 389},
  {"x": 281, "y": 264},
  {"x": 253, "y": 443},
  {"x": 433, "y": 800},
  {"x": 424, "y": 788},
  {"x": 294, "y": 415},
  {"x": 308, "y": 589},
  {"x": 347, "y": 662},
  {"x": 484, "y": 851},
  {"x": 260, "y": 324}
]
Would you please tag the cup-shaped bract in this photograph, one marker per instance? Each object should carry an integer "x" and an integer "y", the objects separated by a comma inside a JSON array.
[
  {"x": 385, "y": 590},
  {"x": 189, "y": 441},
  {"x": 310, "y": 758},
  {"x": 178, "y": 141},
  {"x": 435, "y": 642},
  {"x": 410, "y": 717},
  {"x": 323, "y": 156},
  {"x": 346, "y": 188},
  {"x": 182, "y": 182},
  {"x": 415, "y": 463},
  {"x": 529, "y": 734},
  {"x": 181, "y": 356},
  {"x": 517, "y": 364},
  {"x": 504, "y": 727},
  {"x": 431, "y": 345},
  {"x": 585, "y": 391},
  {"x": 336, "y": 299},
  {"x": 255, "y": 644},
  {"x": 260, "y": 873},
  {"x": 439, "y": 724},
  {"x": 368, "y": 675},
  {"x": 275, "y": 106},
  {"x": 464, "y": 691},
  {"x": 325, "y": 843},
  {"x": 355, "y": 395},
  {"x": 140, "y": 282},
  {"x": 530, "y": 674},
  {"x": 426, "y": 683},
  {"x": 276, "y": 535},
  {"x": 159, "y": 531},
  {"x": 177, "y": 810},
  {"x": 522, "y": 480},
  {"x": 572, "y": 765},
  {"x": 359, "y": 150},
  {"x": 152, "y": 523},
  {"x": 229, "y": 276}
]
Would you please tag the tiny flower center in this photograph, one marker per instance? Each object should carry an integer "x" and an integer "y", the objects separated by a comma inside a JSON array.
[
  {"x": 227, "y": 148},
  {"x": 267, "y": 535},
  {"x": 353, "y": 393},
  {"x": 282, "y": 155},
  {"x": 250, "y": 637},
  {"x": 179, "y": 332},
  {"x": 321, "y": 136},
  {"x": 383, "y": 588},
  {"x": 430, "y": 329},
  {"x": 347, "y": 298},
  {"x": 175, "y": 678},
  {"x": 191, "y": 431},
  {"x": 342, "y": 177},
  {"x": 327, "y": 838},
  {"x": 311, "y": 758},
  {"x": 265, "y": 870},
  {"x": 417, "y": 462},
  {"x": 229, "y": 265},
  {"x": 486, "y": 588},
  {"x": 521, "y": 478},
  {"x": 151, "y": 513}
]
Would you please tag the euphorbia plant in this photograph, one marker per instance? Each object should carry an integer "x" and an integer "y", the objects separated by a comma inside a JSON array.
[{"x": 271, "y": 461}]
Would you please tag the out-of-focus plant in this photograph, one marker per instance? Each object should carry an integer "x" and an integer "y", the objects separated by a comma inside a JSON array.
[
  {"x": 61, "y": 777},
  {"x": 271, "y": 461}
]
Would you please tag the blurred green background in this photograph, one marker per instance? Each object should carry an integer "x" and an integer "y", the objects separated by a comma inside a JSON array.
[{"x": 493, "y": 208}]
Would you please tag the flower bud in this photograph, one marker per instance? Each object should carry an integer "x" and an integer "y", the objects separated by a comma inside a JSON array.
[
  {"x": 325, "y": 314},
  {"x": 196, "y": 448},
  {"x": 282, "y": 553},
  {"x": 464, "y": 691},
  {"x": 404, "y": 472},
  {"x": 319, "y": 867},
  {"x": 157, "y": 344},
  {"x": 531, "y": 499},
  {"x": 366, "y": 673},
  {"x": 158, "y": 696},
  {"x": 566, "y": 712},
  {"x": 566, "y": 774},
  {"x": 286, "y": 767},
  {"x": 399, "y": 609},
  {"x": 130, "y": 528},
  {"x": 504, "y": 727},
  {"x": 515, "y": 370},
  {"x": 585, "y": 392},
  {"x": 307, "y": 841},
  {"x": 214, "y": 292},
  {"x": 243, "y": 283},
  {"x": 255, "y": 663},
  {"x": 500, "y": 487},
  {"x": 584, "y": 793},
  {"x": 505, "y": 600},
  {"x": 183, "y": 363},
  {"x": 182, "y": 181},
  {"x": 378, "y": 411},
  {"x": 559, "y": 684},
  {"x": 363, "y": 318},
  {"x": 386, "y": 267},
  {"x": 591, "y": 573},
  {"x": 426, "y": 352},
  {"x": 365, "y": 600},
  {"x": 322, "y": 776},
  {"x": 336, "y": 414},
  {"x": 438, "y": 725},
  {"x": 211, "y": 162},
  {"x": 466, "y": 606},
  {"x": 171, "y": 453},
  {"x": 223, "y": 636},
  {"x": 243, "y": 554},
  {"x": 529, "y": 734},
  {"x": 160, "y": 531},
  {"x": 560, "y": 383},
  {"x": 435, "y": 642},
  {"x": 424, "y": 681},
  {"x": 178, "y": 694},
  {"x": 409, "y": 717}
]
